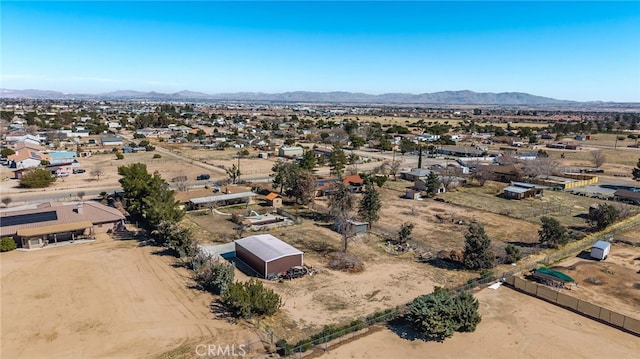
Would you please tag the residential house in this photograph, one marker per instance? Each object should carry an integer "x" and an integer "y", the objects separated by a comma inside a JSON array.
[
  {"x": 459, "y": 151},
  {"x": 36, "y": 225},
  {"x": 326, "y": 186},
  {"x": 415, "y": 174},
  {"x": 520, "y": 190}
]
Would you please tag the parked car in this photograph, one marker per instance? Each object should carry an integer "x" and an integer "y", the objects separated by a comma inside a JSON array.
[
  {"x": 62, "y": 174},
  {"x": 203, "y": 177},
  {"x": 78, "y": 170}
]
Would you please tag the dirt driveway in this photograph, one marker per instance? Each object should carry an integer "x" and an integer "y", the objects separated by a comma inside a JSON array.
[{"x": 104, "y": 299}]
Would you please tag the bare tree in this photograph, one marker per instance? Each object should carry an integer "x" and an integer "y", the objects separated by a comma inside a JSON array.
[
  {"x": 388, "y": 168},
  {"x": 181, "y": 182},
  {"x": 481, "y": 174},
  {"x": 507, "y": 159},
  {"x": 6, "y": 201},
  {"x": 97, "y": 173},
  {"x": 541, "y": 166},
  {"x": 341, "y": 203},
  {"x": 598, "y": 158}
]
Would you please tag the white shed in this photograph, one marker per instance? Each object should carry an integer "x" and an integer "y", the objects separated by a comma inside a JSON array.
[{"x": 600, "y": 250}]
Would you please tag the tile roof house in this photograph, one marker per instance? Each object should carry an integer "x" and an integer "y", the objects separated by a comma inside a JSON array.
[{"x": 325, "y": 186}]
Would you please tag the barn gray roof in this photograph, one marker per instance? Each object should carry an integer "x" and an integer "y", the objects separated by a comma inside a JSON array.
[
  {"x": 515, "y": 189},
  {"x": 267, "y": 247}
]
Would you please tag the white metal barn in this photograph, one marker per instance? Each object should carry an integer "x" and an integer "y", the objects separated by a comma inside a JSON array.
[{"x": 600, "y": 250}]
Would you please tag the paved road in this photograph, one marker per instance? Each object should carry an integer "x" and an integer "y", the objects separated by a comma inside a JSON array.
[{"x": 65, "y": 194}]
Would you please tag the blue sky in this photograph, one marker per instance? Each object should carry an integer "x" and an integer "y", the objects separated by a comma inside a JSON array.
[{"x": 566, "y": 50}]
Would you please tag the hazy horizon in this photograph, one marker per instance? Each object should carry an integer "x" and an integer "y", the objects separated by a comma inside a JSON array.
[{"x": 578, "y": 51}]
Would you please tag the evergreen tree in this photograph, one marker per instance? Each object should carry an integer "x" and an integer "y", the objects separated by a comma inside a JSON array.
[
  {"x": 370, "y": 204},
  {"x": 135, "y": 183},
  {"x": 308, "y": 161},
  {"x": 404, "y": 234},
  {"x": 438, "y": 315},
  {"x": 552, "y": 233},
  {"x": 477, "y": 253},
  {"x": 337, "y": 160},
  {"x": 433, "y": 184}
]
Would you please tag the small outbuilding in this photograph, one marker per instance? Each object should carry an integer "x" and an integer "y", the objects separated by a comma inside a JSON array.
[
  {"x": 274, "y": 200},
  {"x": 268, "y": 255},
  {"x": 600, "y": 250}
]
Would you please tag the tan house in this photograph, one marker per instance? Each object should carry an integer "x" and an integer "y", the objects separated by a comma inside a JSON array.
[{"x": 37, "y": 225}]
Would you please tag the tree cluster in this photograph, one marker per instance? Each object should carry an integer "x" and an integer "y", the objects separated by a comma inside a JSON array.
[
  {"x": 438, "y": 315},
  {"x": 150, "y": 201},
  {"x": 248, "y": 299},
  {"x": 294, "y": 181},
  {"x": 212, "y": 275},
  {"x": 602, "y": 215},
  {"x": 37, "y": 178}
]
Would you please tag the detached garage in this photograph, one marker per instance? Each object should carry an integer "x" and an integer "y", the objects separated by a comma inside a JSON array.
[{"x": 268, "y": 255}]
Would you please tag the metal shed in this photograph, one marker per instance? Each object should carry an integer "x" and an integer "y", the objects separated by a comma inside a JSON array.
[{"x": 268, "y": 255}]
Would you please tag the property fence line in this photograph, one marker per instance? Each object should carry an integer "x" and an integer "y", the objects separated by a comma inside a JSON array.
[
  {"x": 590, "y": 310},
  {"x": 593, "y": 311},
  {"x": 362, "y": 327},
  {"x": 578, "y": 246}
]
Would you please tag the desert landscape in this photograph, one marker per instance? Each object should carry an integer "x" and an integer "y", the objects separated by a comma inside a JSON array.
[
  {"x": 514, "y": 325},
  {"x": 106, "y": 299}
]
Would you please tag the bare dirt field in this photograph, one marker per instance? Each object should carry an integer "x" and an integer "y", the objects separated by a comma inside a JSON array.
[
  {"x": 108, "y": 299},
  {"x": 613, "y": 283},
  {"x": 513, "y": 325}
]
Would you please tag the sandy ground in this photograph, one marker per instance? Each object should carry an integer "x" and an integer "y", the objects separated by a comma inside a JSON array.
[
  {"x": 107, "y": 299},
  {"x": 613, "y": 283},
  {"x": 513, "y": 325}
]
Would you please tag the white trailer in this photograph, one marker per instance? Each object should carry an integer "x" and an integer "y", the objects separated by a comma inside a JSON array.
[{"x": 600, "y": 250}]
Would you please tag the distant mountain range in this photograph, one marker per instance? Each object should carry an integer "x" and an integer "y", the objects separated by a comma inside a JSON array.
[{"x": 437, "y": 98}]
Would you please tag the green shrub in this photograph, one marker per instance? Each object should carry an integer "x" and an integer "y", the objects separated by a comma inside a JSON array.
[
  {"x": 38, "y": 178},
  {"x": 7, "y": 244},
  {"x": 438, "y": 315},
  {"x": 513, "y": 254},
  {"x": 214, "y": 276},
  {"x": 156, "y": 155},
  {"x": 119, "y": 155},
  {"x": 248, "y": 299}
]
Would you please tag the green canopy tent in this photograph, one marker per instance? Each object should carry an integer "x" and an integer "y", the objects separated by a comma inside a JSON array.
[{"x": 551, "y": 277}]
